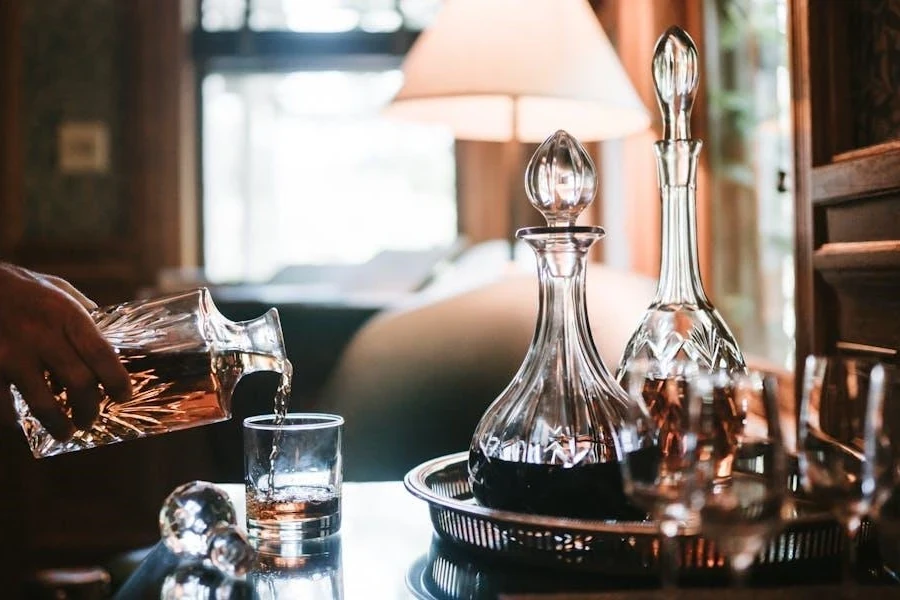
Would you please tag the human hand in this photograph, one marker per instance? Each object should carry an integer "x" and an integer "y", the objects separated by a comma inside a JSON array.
[{"x": 45, "y": 327}]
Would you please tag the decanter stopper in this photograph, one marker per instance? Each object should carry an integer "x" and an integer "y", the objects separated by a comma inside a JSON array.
[
  {"x": 560, "y": 179},
  {"x": 675, "y": 76}
]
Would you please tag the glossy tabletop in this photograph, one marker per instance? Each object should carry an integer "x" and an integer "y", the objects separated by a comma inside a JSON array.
[{"x": 387, "y": 549}]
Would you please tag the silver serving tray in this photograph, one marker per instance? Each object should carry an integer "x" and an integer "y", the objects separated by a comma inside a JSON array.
[{"x": 620, "y": 548}]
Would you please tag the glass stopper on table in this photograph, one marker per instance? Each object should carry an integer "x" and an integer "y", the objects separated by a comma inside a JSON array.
[
  {"x": 190, "y": 515},
  {"x": 230, "y": 550},
  {"x": 194, "y": 580}
]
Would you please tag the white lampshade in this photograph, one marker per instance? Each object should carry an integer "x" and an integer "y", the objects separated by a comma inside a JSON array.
[{"x": 487, "y": 67}]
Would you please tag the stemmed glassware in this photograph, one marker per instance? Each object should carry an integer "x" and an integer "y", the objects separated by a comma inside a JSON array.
[
  {"x": 742, "y": 514},
  {"x": 888, "y": 531},
  {"x": 844, "y": 452},
  {"x": 658, "y": 451}
]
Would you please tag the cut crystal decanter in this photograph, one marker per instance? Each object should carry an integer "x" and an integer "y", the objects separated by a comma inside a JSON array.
[
  {"x": 681, "y": 323},
  {"x": 549, "y": 444},
  {"x": 184, "y": 359}
]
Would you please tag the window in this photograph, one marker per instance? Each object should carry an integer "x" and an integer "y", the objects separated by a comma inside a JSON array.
[
  {"x": 298, "y": 168},
  {"x": 751, "y": 150}
]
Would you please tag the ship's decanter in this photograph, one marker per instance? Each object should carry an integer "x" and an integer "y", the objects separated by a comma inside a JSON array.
[{"x": 549, "y": 444}]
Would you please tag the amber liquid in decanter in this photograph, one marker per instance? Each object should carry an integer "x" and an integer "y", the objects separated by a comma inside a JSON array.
[
  {"x": 548, "y": 444},
  {"x": 184, "y": 360}
]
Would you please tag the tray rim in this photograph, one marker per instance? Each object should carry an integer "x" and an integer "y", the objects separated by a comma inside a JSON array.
[{"x": 415, "y": 483}]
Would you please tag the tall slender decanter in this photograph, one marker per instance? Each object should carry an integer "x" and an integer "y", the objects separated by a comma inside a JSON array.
[
  {"x": 681, "y": 323},
  {"x": 548, "y": 444},
  {"x": 184, "y": 359}
]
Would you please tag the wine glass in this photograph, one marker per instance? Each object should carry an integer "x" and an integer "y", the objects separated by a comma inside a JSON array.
[
  {"x": 657, "y": 448},
  {"x": 844, "y": 454},
  {"x": 888, "y": 530},
  {"x": 741, "y": 514}
]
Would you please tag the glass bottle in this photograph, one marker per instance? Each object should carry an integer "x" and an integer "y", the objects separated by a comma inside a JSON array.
[
  {"x": 184, "y": 358},
  {"x": 681, "y": 323},
  {"x": 548, "y": 444}
]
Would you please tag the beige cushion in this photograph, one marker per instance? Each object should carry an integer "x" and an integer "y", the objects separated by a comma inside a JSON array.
[{"x": 414, "y": 381}]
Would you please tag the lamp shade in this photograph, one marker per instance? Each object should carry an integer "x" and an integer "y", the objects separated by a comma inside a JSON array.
[{"x": 502, "y": 70}]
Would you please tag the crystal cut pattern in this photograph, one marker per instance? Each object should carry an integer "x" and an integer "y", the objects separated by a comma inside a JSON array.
[
  {"x": 191, "y": 514},
  {"x": 706, "y": 342}
]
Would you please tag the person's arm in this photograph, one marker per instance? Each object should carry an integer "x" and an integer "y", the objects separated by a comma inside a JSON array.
[{"x": 45, "y": 327}]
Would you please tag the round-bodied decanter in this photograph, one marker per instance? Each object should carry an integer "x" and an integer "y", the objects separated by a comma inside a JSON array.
[
  {"x": 681, "y": 323},
  {"x": 549, "y": 444}
]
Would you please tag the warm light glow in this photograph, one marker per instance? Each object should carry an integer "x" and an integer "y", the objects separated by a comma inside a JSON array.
[
  {"x": 487, "y": 67},
  {"x": 320, "y": 19}
]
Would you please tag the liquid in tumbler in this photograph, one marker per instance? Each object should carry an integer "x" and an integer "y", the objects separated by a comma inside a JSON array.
[
  {"x": 301, "y": 511},
  {"x": 292, "y": 478}
]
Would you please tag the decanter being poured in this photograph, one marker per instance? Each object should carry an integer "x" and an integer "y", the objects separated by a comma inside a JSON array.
[
  {"x": 548, "y": 444},
  {"x": 184, "y": 359},
  {"x": 681, "y": 323}
]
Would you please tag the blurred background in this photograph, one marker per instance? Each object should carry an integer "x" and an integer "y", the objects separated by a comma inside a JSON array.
[
  {"x": 154, "y": 145},
  {"x": 243, "y": 141}
]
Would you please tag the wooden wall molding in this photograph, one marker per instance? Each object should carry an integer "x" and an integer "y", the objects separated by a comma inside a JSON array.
[
  {"x": 157, "y": 153},
  {"x": 160, "y": 110},
  {"x": 865, "y": 174},
  {"x": 806, "y": 286},
  {"x": 10, "y": 131}
]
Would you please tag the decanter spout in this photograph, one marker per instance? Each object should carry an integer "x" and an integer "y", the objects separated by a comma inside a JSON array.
[
  {"x": 261, "y": 339},
  {"x": 244, "y": 347}
]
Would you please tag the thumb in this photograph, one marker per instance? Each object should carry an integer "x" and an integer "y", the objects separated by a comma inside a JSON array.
[{"x": 68, "y": 288}]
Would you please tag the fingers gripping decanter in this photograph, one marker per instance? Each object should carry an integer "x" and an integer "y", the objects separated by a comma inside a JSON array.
[
  {"x": 681, "y": 323},
  {"x": 184, "y": 359},
  {"x": 548, "y": 444}
]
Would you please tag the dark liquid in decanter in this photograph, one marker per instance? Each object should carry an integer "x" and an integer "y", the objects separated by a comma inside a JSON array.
[
  {"x": 592, "y": 491},
  {"x": 665, "y": 408}
]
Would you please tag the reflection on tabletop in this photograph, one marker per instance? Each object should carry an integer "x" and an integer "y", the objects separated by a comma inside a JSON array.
[
  {"x": 384, "y": 530},
  {"x": 387, "y": 549}
]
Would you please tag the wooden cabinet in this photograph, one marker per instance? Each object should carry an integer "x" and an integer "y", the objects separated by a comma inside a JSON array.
[
  {"x": 122, "y": 67},
  {"x": 847, "y": 168},
  {"x": 109, "y": 232}
]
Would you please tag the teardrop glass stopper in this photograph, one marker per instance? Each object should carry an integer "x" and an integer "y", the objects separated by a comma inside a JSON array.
[
  {"x": 560, "y": 179},
  {"x": 676, "y": 75}
]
